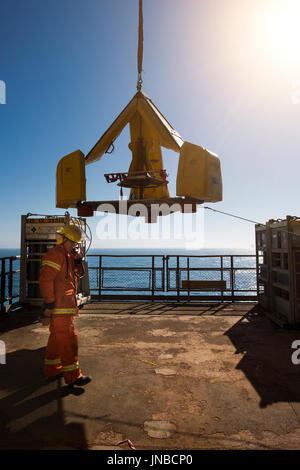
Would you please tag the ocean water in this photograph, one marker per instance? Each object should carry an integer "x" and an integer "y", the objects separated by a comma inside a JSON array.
[
  {"x": 137, "y": 278},
  {"x": 9, "y": 252},
  {"x": 204, "y": 251}
]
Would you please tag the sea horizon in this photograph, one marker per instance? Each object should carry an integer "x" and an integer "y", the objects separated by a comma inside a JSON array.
[
  {"x": 6, "y": 252},
  {"x": 158, "y": 249}
]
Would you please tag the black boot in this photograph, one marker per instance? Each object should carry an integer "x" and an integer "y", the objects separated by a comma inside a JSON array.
[{"x": 83, "y": 380}]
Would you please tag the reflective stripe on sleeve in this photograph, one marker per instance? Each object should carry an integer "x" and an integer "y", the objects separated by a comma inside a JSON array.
[{"x": 51, "y": 264}]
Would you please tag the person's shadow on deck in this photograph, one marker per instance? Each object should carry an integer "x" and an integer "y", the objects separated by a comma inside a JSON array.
[
  {"x": 267, "y": 361},
  {"x": 31, "y": 409}
]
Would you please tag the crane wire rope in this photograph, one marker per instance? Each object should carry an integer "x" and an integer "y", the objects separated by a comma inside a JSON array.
[
  {"x": 252, "y": 221},
  {"x": 140, "y": 47}
]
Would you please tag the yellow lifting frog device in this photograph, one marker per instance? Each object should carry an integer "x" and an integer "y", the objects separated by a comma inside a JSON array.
[{"x": 198, "y": 176}]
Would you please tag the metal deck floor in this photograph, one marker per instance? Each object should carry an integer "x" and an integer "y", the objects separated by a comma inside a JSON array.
[
  {"x": 165, "y": 376},
  {"x": 168, "y": 308}
]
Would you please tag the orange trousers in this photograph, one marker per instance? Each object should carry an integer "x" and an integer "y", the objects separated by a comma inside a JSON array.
[{"x": 62, "y": 349}]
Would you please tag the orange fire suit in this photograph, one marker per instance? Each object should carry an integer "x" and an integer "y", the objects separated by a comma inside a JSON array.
[{"x": 58, "y": 285}]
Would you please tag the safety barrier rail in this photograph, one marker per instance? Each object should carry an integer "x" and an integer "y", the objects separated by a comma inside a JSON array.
[
  {"x": 154, "y": 277},
  {"x": 9, "y": 281},
  {"x": 173, "y": 277}
]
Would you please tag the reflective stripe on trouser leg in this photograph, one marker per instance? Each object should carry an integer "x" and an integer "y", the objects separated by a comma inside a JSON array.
[
  {"x": 52, "y": 367},
  {"x": 52, "y": 363},
  {"x": 65, "y": 339},
  {"x": 70, "y": 367}
]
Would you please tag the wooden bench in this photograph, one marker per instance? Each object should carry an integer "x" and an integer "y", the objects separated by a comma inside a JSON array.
[{"x": 204, "y": 285}]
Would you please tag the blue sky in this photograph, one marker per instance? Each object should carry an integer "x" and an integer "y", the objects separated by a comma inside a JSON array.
[{"x": 223, "y": 73}]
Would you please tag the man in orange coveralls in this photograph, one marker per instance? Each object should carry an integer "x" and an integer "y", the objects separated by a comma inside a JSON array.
[{"x": 58, "y": 283}]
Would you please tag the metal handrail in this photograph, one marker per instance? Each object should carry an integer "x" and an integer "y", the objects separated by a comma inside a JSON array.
[
  {"x": 7, "y": 282},
  {"x": 164, "y": 286},
  {"x": 157, "y": 287}
]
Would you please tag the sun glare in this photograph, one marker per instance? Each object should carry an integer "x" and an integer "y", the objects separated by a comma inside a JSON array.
[{"x": 282, "y": 31}]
